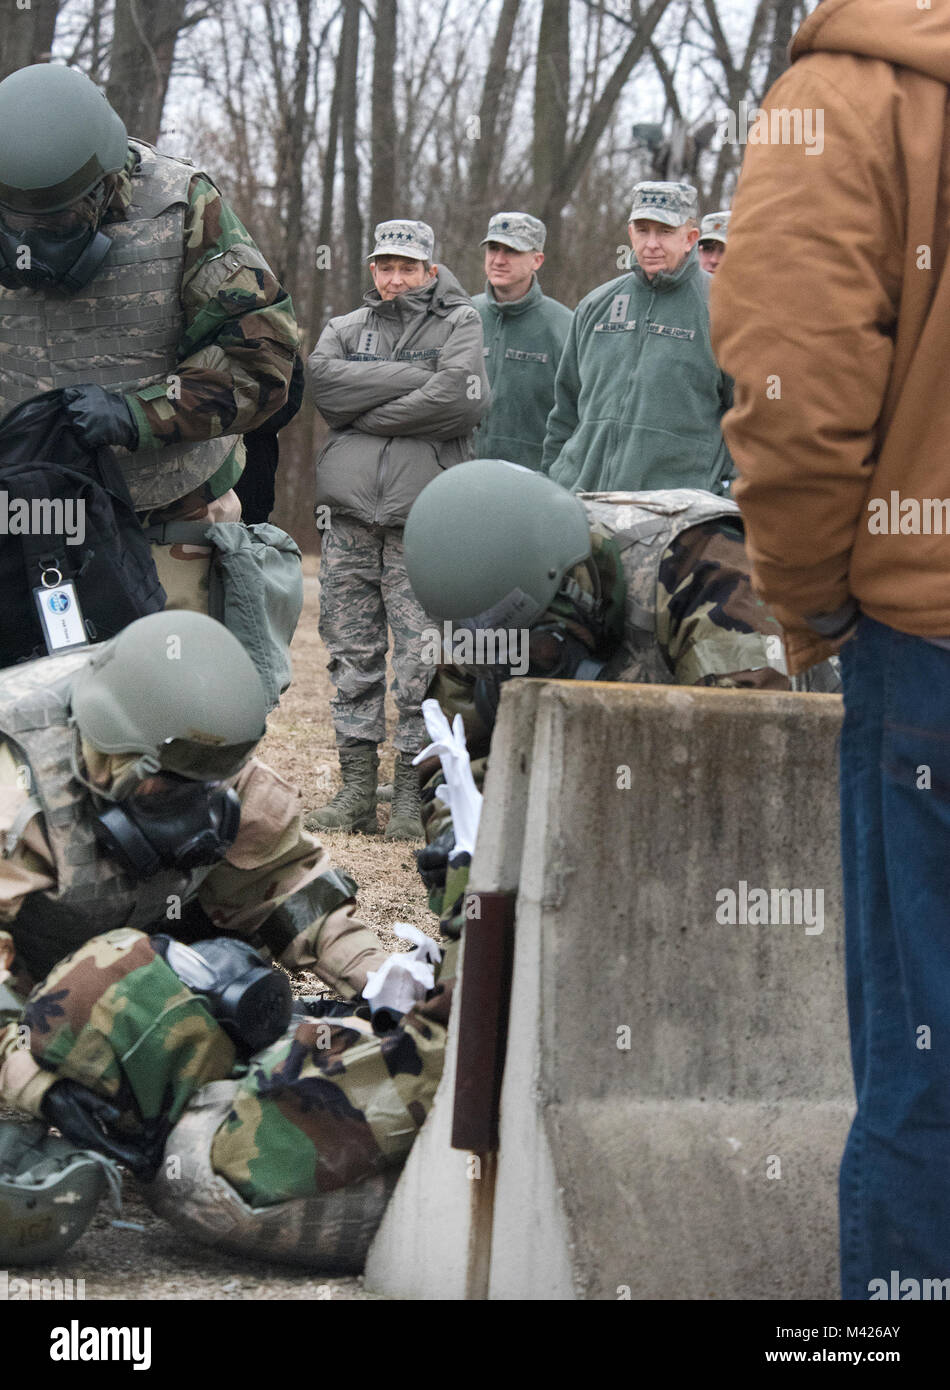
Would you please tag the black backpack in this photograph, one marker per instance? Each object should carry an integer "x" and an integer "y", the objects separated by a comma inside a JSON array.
[{"x": 66, "y": 512}]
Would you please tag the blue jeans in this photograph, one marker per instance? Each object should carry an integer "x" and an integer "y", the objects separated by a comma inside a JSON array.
[{"x": 895, "y": 845}]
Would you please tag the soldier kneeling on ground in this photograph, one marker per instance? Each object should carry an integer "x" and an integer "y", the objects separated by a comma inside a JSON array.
[
  {"x": 651, "y": 587},
  {"x": 131, "y": 805}
]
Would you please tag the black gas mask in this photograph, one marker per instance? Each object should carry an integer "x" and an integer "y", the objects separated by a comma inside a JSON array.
[
  {"x": 251, "y": 1001},
  {"x": 181, "y": 826},
  {"x": 40, "y": 251},
  {"x": 554, "y": 653}
]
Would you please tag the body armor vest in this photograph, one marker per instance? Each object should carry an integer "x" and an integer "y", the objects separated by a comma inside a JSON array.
[
  {"x": 642, "y": 525},
  {"x": 92, "y": 894},
  {"x": 121, "y": 331}
]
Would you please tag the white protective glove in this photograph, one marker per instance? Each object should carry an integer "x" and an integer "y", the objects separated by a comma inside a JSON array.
[
  {"x": 459, "y": 792},
  {"x": 404, "y": 978}
]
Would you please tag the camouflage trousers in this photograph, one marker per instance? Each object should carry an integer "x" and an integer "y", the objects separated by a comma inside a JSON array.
[
  {"x": 364, "y": 589},
  {"x": 328, "y": 1104},
  {"x": 184, "y": 570}
]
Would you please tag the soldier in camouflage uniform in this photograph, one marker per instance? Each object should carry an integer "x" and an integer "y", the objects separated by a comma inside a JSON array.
[
  {"x": 126, "y": 279},
  {"x": 649, "y": 587},
  {"x": 401, "y": 382},
  {"x": 113, "y": 1046},
  {"x": 170, "y": 709}
]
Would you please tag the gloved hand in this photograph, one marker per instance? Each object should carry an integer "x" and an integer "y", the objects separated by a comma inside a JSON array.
[
  {"x": 100, "y": 417},
  {"x": 458, "y": 792},
  {"x": 86, "y": 1119},
  {"x": 433, "y": 860}
]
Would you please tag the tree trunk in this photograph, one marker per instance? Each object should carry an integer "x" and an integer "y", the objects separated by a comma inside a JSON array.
[
  {"x": 782, "y": 23},
  {"x": 382, "y": 201},
  {"x": 352, "y": 221},
  {"x": 324, "y": 268},
  {"x": 552, "y": 91},
  {"x": 27, "y": 34},
  {"x": 579, "y": 156},
  {"x": 297, "y": 129},
  {"x": 143, "y": 47},
  {"x": 485, "y": 136}
]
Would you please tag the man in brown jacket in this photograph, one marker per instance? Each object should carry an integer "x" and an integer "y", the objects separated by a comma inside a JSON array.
[{"x": 832, "y": 313}]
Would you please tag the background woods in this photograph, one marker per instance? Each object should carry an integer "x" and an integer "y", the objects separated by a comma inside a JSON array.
[{"x": 319, "y": 118}]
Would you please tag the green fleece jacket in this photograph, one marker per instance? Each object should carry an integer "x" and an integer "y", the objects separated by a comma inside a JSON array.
[
  {"x": 524, "y": 339},
  {"x": 639, "y": 396}
]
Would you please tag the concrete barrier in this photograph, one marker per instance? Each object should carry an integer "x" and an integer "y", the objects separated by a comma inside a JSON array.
[{"x": 677, "y": 1087}]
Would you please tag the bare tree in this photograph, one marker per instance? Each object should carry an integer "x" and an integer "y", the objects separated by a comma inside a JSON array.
[
  {"x": 26, "y": 35},
  {"x": 553, "y": 199},
  {"x": 352, "y": 219},
  {"x": 552, "y": 92},
  {"x": 487, "y": 151},
  {"x": 783, "y": 20},
  {"x": 382, "y": 198},
  {"x": 294, "y": 127},
  {"x": 145, "y": 33}
]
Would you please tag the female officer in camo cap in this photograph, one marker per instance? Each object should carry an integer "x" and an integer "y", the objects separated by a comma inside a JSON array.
[{"x": 401, "y": 382}]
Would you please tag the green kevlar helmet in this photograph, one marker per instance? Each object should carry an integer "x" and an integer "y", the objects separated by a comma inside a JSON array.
[
  {"x": 49, "y": 1191},
  {"x": 492, "y": 540},
  {"x": 179, "y": 689},
  {"x": 60, "y": 138}
]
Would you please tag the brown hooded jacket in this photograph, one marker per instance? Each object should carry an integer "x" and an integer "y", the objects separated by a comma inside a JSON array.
[{"x": 831, "y": 310}]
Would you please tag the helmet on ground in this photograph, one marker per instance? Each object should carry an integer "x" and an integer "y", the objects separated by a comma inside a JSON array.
[
  {"x": 492, "y": 540},
  {"x": 60, "y": 138},
  {"x": 49, "y": 1191},
  {"x": 177, "y": 688}
]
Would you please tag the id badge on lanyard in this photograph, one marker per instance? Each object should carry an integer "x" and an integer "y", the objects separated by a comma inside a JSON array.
[{"x": 60, "y": 614}]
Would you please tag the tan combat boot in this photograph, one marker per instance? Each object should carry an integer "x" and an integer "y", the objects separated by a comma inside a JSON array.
[
  {"x": 405, "y": 822},
  {"x": 354, "y": 806}
]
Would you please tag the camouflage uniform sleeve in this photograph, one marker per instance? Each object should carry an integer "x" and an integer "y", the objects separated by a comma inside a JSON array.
[
  {"x": 236, "y": 354},
  {"x": 23, "y": 1083},
  {"x": 277, "y": 884},
  {"x": 27, "y": 866},
  {"x": 711, "y": 627}
]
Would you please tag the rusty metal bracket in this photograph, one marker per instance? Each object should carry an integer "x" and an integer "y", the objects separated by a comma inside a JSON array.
[{"x": 489, "y": 940}]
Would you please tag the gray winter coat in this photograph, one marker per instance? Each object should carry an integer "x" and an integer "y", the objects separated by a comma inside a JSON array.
[{"x": 402, "y": 385}]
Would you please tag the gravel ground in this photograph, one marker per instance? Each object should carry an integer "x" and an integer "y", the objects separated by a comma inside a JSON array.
[{"x": 147, "y": 1259}]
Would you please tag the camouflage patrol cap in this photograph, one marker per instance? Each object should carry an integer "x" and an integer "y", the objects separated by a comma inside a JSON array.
[
  {"x": 416, "y": 240},
  {"x": 49, "y": 1191},
  {"x": 671, "y": 203},
  {"x": 519, "y": 230},
  {"x": 60, "y": 138},
  {"x": 715, "y": 227},
  {"x": 490, "y": 541},
  {"x": 178, "y": 689}
]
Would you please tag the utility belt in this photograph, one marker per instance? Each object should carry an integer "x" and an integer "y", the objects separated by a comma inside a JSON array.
[{"x": 255, "y": 587}]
